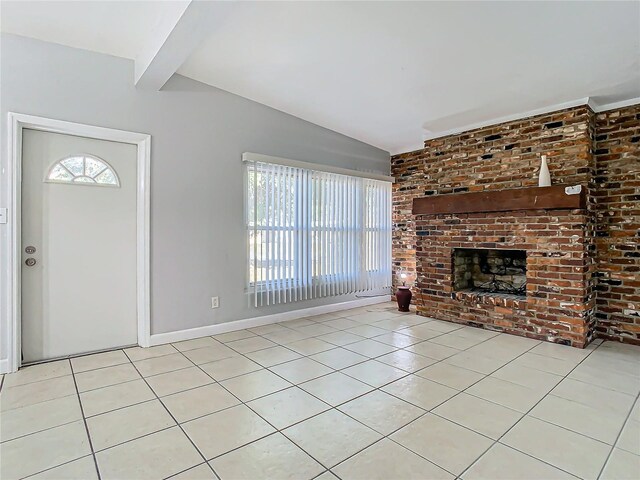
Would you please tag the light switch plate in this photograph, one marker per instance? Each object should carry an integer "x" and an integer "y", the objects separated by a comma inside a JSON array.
[{"x": 3, "y": 215}]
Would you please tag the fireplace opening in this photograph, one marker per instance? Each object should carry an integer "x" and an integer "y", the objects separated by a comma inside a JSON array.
[{"x": 490, "y": 271}]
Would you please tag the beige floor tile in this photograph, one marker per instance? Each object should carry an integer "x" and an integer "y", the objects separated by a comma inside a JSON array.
[
  {"x": 630, "y": 437},
  {"x": 250, "y": 344},
  {"x": 272, "y": 457},
  {"x": 541, "y": 440},
  {"x": 331, "y": 437},
  {"x": 139, "y": 353},
  {"x": 479, "y": 415},
  {"x": 103, "y": 377},
  {"x": 301, "y": 370},
  {"x": 621, "y": 465},
  {"x": 545, "y": 364},
  {"x": 269, "y": 328},
  {"x": 300, "y": 322},
  {"x": 174, "y": 382},
  {"x": 110, "y": 398},
  {"x": 31, "y": 454},
  {"x": 505, "y": 393},
  {"x": 125, "y": 424},
  {"x": 199, "y": 401},
  {"x": 609, "y": 378},
  {"x": 370, "y": 316},
  {"x": 255, "y": 384},
  {"x": 336, "y": 388},
  {"x": 338, "y": 358},
  {"x": 444, "y": 443},
  {"x": 580, "y": 418},
  {"x": 374, "y": 373},
  {"x": 476, "y": 333},
  {"x": 316, "y": 329},
  {"x": 210, "y": 354},
  {"x": 561, "y": 352},
  {"x": 39, "y": 416},
  {"x": 98, "y": 360},
  {"x": 36, "y": 373},
  {"x": 608, "y": 401},
  {"x": 36, "y": 392},
  {"x": 342, "y": 323},
  {"x": 527, "y": 377},
  {"x": 370, "y": 348},
  {"x": 381, "y": 411},
  {"x": 405, "y": 360},
  {"x": 239, "y": 424},
  {"x": 450, "y": 375},
  {"x": 444, "y": 327},
  {"x": 420, "y": 391},
  {"x": 286, "y": 407},
  {"x": 269, "y": 357},
  {"x": 374, "y": 463},
  {"x": 230, "y": 367},
  {"x": 233, "y": 336},
  {"x": 456, "y": 341},
  {"x": 367, "y": 331},
  {"x": 201, "y": 472},
  {"x": 341, "y": 338},
  {"x": 504, "y": 463},
  {"x": 397, "y": 339},
  {"x": 287, "y": 335},
  {"x": 158, "y": 455},
  {"x": 82, "y": 469},
  {"x": 158, "y": 365},
  {"x": 433, "y": 350},
  {"x": 422, "y": 331},
  {"x": 473, "y": 361},
  {"x": 327, "y": 476},
  {"x": 195, "y": 343},
  {"x": 310, "y": 346}
]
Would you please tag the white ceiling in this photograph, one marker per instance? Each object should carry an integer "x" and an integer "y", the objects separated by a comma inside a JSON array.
[{"x": 387, "y": 73}]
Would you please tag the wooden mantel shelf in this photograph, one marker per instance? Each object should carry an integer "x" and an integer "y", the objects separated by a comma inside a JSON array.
[{"x": 529, "y": 198}]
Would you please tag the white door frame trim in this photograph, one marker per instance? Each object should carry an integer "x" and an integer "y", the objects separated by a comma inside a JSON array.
[{"x": 13, "y": 250}]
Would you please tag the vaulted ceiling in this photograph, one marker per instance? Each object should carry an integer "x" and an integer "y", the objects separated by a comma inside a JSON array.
[{"x": 388, "y": 73}]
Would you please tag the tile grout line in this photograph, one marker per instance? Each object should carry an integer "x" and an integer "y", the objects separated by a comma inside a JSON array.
[
  {"x": 525, "y": 415},
  {"x": 615, "y": 442},
  {"x": 242, "y": 402},
  {"x": 334, "y": 347},
  {"x": 173, "y": 418},
  {"x": 84, "y": 420}
]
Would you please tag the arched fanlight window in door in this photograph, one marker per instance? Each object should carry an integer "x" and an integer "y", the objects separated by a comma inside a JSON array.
[{"x": 84, "y": 170}]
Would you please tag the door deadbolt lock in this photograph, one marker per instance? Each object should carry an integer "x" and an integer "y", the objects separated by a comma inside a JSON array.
[
  {"x": 30, "y": 250},
  {"x": 30, "y": 262}
]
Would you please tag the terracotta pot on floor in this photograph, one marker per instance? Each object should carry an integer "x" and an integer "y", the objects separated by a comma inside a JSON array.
[{"x": 403, "y": 297}]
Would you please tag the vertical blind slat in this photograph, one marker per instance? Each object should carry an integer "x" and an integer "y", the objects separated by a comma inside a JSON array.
[{"x": 315, "y": 234}]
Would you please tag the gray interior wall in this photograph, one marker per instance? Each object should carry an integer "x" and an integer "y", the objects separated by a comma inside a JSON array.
[{"x": 198, "y": 136}]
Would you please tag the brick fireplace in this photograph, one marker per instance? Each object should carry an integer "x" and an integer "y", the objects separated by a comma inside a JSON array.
[
  {"x": 557, "y": 304},
  {"x": 582, "y": 265}
]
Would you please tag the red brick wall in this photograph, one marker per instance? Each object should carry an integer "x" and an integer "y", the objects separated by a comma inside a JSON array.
[
  {"x": 559, "y": 304},
  {"x": 617, "y": 154},
  {"x": 507, "y": 156}
]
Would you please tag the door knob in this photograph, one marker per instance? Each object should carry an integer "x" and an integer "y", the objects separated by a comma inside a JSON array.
[
  {"x": 30, "y": 250},
  {"x": 30, "y": 262}
]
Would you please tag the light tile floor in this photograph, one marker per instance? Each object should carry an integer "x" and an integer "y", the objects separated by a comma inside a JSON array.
[{"x": 360, "y": 394}]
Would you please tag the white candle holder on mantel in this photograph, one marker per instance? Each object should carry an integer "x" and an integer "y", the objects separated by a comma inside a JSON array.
[{"x": 544, "y": 177}]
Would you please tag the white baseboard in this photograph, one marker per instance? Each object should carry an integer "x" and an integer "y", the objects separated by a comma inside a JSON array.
[
  {"x": 180, "y": 335},
  {"x": 4, "y": 365}
]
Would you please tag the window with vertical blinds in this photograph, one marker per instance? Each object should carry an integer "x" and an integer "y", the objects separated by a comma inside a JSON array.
[{"x": 315, "y": 234}]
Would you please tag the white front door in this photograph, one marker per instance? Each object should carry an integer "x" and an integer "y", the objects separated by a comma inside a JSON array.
[{"x": 78, "y": 245}]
